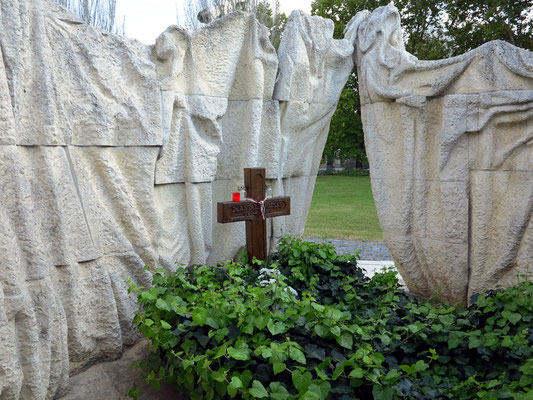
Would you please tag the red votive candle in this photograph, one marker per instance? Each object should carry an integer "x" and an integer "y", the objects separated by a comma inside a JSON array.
[{"x": 236, "y": 196}]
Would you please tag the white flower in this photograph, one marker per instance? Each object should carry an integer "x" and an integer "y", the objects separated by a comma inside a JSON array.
[
  {"x": 267, "y": 282},
  {"x": 269, "y": 272},
  {"x": 293, "y": 291}
]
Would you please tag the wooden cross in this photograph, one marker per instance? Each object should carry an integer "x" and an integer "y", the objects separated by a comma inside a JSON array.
[{"x": 249, "y": 211}]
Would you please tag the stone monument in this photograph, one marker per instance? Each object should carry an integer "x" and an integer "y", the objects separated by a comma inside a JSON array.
[
  {"x": 114, "y": 155},
  {"x": 450, "y": 146}
]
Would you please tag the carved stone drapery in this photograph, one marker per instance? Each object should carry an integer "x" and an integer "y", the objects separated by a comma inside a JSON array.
[
  {"x": 114, "y": 155},
  {"x": 450, "y": 146}
]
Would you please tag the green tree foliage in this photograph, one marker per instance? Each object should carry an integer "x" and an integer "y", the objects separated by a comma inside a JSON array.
[
  {"x": 273, "y": 20},
  {"x": 472, "y": 23},
  {"x": 432, "y": 29},
  {"x": 347, "y": 126}
]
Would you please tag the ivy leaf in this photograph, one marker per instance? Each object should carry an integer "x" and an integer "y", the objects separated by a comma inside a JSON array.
[
  {"x": 343, "y": 389},
  {"x": 527, "y": 381},
  {"x": 321, "y": 388},
  {"x": 345, "y": 340},
  {"x": 338, "y": 372},
  {"x": 187, "y": 363},
  {"x": 266, "y": 352},
  {"x": 321, "y": 330},
  {"x": 313, "y": 351},
  {"x": 474, "y": 341},
  {"x": 511, "y": 317},
  {"x": 507, "y": 342},
  {"x": 258, "y": 390},
  {"x": 454, "y": 340},
  {"x": 278, "y": 391},
  {"x": 491, "y": 339},
  {"x": 165, "y": 324},
  {"x": 233, "y": 386},
  {"x": 221, "y": 351},
  {"x": 239, "y": 354},
  {"x": 276, "y": 328},
  {"x": 405, "y": 386},
  {"x": 261, "y": 321},
  {"x": 278, "y": 367},
  {"x": 359, "y": 373},
  {"x": 234, "y": 331},
  {"x": 420, "y": 366},
  {"x": 527, "y": 368},
  {"x": 407, "y": 369},
  {"x": 309, "y": 395},
  {"x": 446, "y": 320},
  {"x": 392, "y": 376},
  {"x": 301, "y": 381},
  {"x": 336, "y": 314},
  {"x": 335, "y": 331},
  {"x": 150, "y": 377},
  {"x": 202, "y": 339},
  {"x": 248, "y": 328},
  {"x": 321, "y": 374},
  {"x": 235, "y": 382},
  {"x": 246, "y": 377},
  {"x": 199, "y": 316},
  {"x": 219, "y": 375},
  {"x": 212, "y": 322},
  {"x": 297, "y": 355},
  {"x": 385, "y": 339},
  {"x": 162, "y": 305},
  {"x": 147, "y": 296},
  {"x": 382, "y": 392}
]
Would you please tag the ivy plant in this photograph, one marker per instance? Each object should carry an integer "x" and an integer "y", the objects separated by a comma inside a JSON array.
[{"x": 310, "y": 325}]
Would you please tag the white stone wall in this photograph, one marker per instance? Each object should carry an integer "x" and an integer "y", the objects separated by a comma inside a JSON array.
[
  {"x": 114, "y": 155},
  {"x": 450, "y": 146}
]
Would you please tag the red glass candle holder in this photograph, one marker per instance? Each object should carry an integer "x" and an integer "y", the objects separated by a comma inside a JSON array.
[{"x": 236, "y": 196}]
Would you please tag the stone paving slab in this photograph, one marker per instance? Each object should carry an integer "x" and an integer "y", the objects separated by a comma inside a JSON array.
[
  {"x": 373, "y": 251},
  {"x": 374, "y": 255},
  {"x": 371, "y": 267}
]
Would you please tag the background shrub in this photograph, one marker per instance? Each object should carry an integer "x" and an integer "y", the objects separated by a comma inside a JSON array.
[{"x": 347, "y": 172}]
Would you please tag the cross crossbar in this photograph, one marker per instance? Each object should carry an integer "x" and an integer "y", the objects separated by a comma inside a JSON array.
[
  {"x": 233, "y": 211},
  {"x": 252, "y": 213}
]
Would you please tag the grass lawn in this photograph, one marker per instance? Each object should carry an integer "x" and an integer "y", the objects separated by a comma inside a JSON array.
[{"x": 343, "y": 207}]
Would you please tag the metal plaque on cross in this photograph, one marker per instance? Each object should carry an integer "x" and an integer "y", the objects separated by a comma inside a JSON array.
[{"x": 254, "y": 211}]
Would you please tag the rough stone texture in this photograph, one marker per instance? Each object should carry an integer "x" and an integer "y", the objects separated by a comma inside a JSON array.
[
  {"x": 113, "y": 155},
  {"x": 450, "y": 149},
  {"x": 112, "y": 380},
  {"x": 313, "y": 71}
]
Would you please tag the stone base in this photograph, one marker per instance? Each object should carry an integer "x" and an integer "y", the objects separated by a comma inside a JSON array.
[{"x": 112, "y": 380}]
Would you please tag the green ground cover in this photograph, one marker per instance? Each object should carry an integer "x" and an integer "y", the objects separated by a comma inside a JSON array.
[
  {"x": 310, "y": 325},
  {"x": 343, "y": 207}
]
